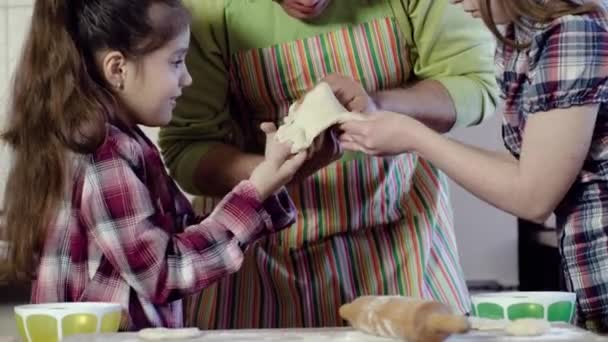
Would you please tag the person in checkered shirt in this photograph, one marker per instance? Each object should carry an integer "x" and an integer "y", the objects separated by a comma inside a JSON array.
[
  {"x": 91, "y": 213},
  {"x": 552, "y": 68}
]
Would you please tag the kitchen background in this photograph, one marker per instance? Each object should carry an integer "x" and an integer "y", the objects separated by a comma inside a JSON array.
[{"x": 487, "y": 237}]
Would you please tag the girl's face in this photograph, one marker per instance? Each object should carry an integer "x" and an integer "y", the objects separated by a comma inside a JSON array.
[
  {"x": 304, "y": 9},
  {"x": 497, "y": 10},
  {"x": 151, "y": 92},
  {"x": 148, "y": 88}
]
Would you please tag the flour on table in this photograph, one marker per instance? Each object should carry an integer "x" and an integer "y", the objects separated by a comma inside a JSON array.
[
  {"x": 319, "y": 110},
  {"x": 155, "y": 334}
]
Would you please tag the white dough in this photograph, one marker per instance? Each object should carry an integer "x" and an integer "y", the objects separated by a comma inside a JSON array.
[
  {"x": 483, "y": 324},
  {"x": 154, "y": 334},
  {"x": 528, "y": 327},
  {"x": 319, "y": 110}
]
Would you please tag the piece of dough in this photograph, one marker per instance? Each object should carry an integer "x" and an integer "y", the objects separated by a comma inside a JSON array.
[
  {"x": 319, "y": 110},
  {"x": 484, "y": 324},
  {"x": 528, "y": 327},
  {"x": 154, "y": 334},
  {"x": 415, "y": 319}
]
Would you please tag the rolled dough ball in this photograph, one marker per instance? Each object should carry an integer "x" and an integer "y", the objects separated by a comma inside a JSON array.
[
  {"x": 483, "y": 324},
  {"x": 155, "y": 334},
  {"x": 528, "y": 327},
  {"x": 319, "y": 110}
]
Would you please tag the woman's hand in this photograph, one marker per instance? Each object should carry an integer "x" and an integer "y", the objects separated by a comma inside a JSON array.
[
  {"x": 381, "y": 134},
  {"x": 279, "y": 165}
]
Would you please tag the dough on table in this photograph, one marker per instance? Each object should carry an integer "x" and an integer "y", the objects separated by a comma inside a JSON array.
[
  {"x": 528, "y": 327},
  {"x": 155, "y": 334},
  {"x": 484, "y": 324},
  {"x": 318, "y": 110},
  {"x": 520, "y": 327}
]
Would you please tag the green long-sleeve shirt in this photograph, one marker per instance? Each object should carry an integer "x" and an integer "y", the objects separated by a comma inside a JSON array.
[{"x": 445, "y": 45}]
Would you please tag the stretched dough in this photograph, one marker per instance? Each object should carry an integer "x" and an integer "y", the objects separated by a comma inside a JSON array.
[
  {"x": 528, "y": 327},
  {"x": 319, "y": 110},
  {"x": 155, "y": 334}
]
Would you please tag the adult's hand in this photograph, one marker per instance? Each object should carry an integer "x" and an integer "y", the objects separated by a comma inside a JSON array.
[
  {"x": 325, "y": 150},
  {"x": 351, "y": 93}
]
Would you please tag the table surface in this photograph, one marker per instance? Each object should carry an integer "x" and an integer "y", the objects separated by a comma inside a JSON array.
[{"x": 559, "y": 332}]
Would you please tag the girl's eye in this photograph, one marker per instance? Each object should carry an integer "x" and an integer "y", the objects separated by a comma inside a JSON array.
[{"x": 178, "y": 63}]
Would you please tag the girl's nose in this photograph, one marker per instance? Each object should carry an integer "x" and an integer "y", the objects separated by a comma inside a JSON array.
[{"x": 186, "y": 79}]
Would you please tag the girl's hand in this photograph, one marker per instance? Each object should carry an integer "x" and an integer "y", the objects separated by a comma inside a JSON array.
[
  {"x": 382, "y": 134},
  {"x": 279, "y": 165},
  {"x": 351, "y": 93}
]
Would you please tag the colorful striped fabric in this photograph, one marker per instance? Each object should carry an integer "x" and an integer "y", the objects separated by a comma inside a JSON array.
[
  {"x": 365, "y": 225},
  {"x": 270, "y": 79}
]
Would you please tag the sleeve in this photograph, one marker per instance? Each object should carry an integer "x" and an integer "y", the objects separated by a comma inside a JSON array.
[
  {"x": 456, "y": 50},
  {"x": 117, "y": 210},
  {"x": 202, "y": 116},
  {"x": 568, "y": 65}
]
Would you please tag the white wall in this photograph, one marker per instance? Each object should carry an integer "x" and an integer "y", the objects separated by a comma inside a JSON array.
[
  {"x": 14, "y": 20},
  {"x": 3, "y": 79},
  {"x": 487, "y": 237}
]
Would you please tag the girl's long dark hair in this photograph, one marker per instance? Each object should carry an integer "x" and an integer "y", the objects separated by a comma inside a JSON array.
[{"x": 59, "y": 104}]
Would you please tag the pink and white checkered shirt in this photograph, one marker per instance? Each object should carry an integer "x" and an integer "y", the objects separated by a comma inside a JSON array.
[{"x": 126, "y": 234}]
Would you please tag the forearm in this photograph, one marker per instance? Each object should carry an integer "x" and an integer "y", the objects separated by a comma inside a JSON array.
[
  {"x": 491, "y": 176},
  {"x": 427, "y": 101},
  {"x": 207, "y": 251},
  {"x": 222, "y": 168}
]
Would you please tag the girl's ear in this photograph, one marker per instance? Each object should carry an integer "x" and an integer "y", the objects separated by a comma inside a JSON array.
[{"x": 114, "y": 69}]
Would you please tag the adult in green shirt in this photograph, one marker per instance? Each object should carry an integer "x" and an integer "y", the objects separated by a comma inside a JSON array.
[{"x": 366, "y": 225}]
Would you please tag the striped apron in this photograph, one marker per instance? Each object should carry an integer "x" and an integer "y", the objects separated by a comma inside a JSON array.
[{"x": 366, "y": 225}]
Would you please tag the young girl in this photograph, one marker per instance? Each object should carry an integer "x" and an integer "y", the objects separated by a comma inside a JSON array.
[
  {"x": 552, "y": 59},
  {"x": 90, "y": 210}
]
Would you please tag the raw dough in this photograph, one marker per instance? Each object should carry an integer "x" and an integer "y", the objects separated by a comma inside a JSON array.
[
  {"x": 319, "y": 110},
  {"x": 528, "y": 327},
  {"x": 483, "y": 324},
  {"x": 155, "y": 334}
]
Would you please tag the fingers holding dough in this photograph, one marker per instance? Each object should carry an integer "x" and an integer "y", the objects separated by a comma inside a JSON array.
[{"x": 316, "y": 112}]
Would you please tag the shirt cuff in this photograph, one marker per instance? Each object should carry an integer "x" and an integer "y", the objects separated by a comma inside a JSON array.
[
  {"x": 472, "y": 102},
  {"x": 281, "y": 210},
  {"x": 243, "y": 214}
]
